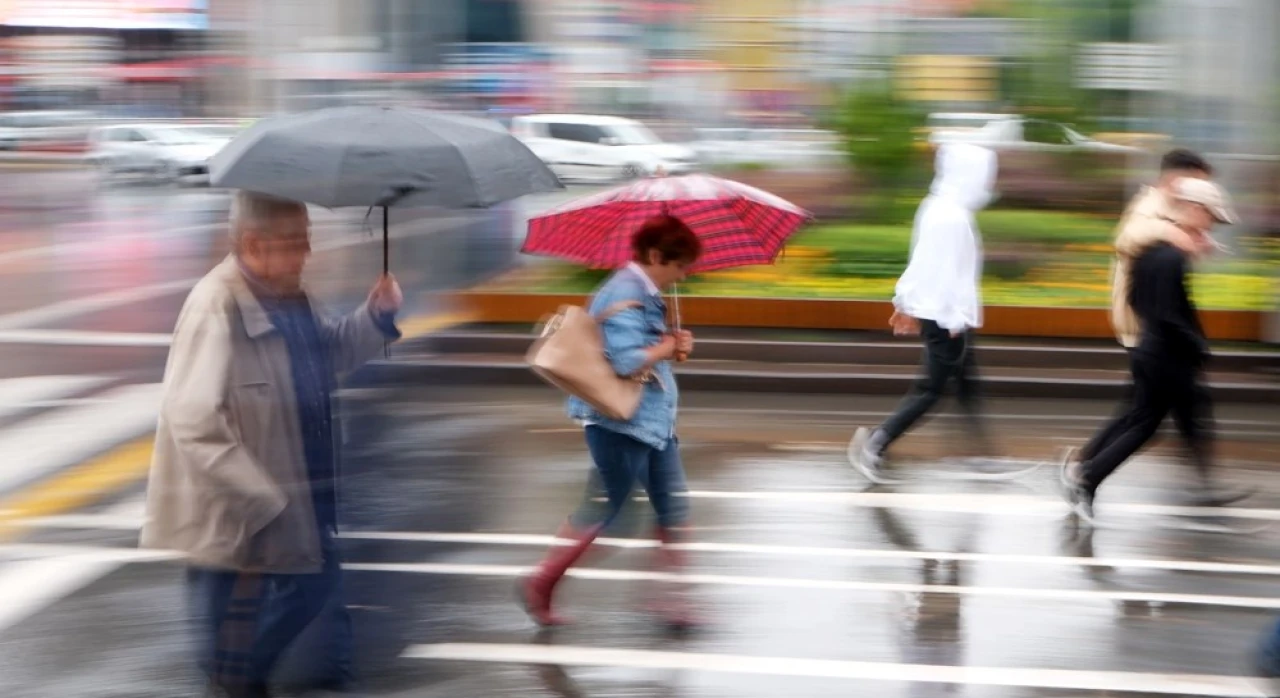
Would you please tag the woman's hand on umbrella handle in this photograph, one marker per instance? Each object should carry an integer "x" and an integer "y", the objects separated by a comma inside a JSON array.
[
  {"x": 684, "y": 344},
  {"x": 664, "y": 350}
]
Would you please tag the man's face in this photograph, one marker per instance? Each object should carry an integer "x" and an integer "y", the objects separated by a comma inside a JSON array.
[
  {"x": 1196, "y": 220},
  {"x": 280, "y": 249}
]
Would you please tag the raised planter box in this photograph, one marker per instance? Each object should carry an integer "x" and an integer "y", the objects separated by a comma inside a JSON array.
[{"x": 778, "y": 313}]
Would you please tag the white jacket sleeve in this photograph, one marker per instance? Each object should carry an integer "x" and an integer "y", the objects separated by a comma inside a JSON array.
[{"x": 941, "y": 280}]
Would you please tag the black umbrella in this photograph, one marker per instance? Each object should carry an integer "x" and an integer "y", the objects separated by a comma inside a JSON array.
[{"x": 381, "y": 156}]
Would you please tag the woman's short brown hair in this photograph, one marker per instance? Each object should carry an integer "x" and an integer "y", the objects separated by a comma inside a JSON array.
[{"x": 673, "y": 240}]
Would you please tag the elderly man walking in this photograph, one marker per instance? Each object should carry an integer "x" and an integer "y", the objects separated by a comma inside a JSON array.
[{"x": 243, "y": 476}]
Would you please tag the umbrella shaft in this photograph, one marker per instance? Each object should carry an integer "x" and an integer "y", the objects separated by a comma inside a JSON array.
[{"x": 386, "y": 240}]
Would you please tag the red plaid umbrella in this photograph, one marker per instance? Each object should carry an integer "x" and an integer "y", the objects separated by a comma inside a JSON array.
[{"x": 738, "y": 225}]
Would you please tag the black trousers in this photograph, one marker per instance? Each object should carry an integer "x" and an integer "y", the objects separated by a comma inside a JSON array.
[
  {"x": 1161, "y": 384},
  {"x": 945, "y": 358}
]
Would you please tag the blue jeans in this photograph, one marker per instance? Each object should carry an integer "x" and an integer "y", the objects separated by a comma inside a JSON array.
[
  {"x": 1268, "y": 657},
  {"x": 621, "y": 462},
  {"x": 245, "y": 622}
]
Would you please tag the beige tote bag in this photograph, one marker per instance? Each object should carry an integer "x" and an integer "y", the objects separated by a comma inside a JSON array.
[{"x": 569, "y": 354}]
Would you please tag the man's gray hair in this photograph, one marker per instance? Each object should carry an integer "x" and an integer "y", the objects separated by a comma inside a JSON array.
[{"x": 253, "y": 210}]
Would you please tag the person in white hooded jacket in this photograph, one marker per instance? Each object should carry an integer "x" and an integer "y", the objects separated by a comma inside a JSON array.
[{"x": 938, "y": 297}]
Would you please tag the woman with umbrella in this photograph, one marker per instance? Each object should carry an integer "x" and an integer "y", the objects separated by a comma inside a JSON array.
[
  {"x": 657, "y": 230},
  {"x": 643, "y": 449}
]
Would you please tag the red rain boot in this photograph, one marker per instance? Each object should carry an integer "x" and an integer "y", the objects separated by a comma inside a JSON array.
[
  {"x": 672, "y": 602},
  {"x": 536, "y": 590}
]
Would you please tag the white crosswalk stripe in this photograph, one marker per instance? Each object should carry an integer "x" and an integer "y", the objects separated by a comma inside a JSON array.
[
  {"x": 18, "y": 395},
  {"x": 1103, "y": 681},
  {"x": 42, "y": 445}
]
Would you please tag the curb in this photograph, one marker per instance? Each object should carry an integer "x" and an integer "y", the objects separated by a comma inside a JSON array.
[{"x": 443, "y": 372}]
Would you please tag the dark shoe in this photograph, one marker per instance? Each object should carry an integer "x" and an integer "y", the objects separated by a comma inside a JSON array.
[
  {"x": 1266, "y": 667},
  {"x": 1265, "y": 662},
  {"x": 347, "y": 688},
  {"x": 535, "y": 591},
  {"x": 249, "y": 690}
]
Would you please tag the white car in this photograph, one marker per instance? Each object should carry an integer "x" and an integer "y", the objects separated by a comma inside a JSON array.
[
  {"x": 172, "y": 153},
  {"x": 600, "y": 148},
  {"x": 1013, "y": 132},
  {"x": 24, "y": 128}
]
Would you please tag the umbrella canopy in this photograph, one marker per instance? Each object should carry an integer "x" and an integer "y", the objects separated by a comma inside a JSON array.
[
  {"x": 381, "y": 156},
  {"x": 738, "y": 225}
]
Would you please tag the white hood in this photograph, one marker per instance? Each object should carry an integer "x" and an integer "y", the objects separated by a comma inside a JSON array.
[
  {"x": 942, "y": 281},
  {"x": 965, "y": 174}
]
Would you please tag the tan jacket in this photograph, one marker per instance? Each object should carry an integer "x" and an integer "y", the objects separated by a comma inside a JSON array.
[
  {"x": 228, "y": 483},
  {"x": 1141, "y": 226}
]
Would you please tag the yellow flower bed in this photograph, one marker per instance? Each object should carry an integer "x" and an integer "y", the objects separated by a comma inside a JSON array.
[{"x": 1034, "y": 259}]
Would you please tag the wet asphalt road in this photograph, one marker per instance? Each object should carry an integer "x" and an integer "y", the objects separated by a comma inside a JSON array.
[
  {"x": 811, "y": 583},
  {"x": 823, "y": 586}
]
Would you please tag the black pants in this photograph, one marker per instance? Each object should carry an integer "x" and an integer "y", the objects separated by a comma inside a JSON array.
[
  {"x": 1161, "y": 384},
  {"x": 945, "y": 358},
  {"x": 1118, "y": 422}
]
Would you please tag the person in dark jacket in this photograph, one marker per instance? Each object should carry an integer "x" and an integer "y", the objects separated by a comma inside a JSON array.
[{"x": 1168, "y": 361}]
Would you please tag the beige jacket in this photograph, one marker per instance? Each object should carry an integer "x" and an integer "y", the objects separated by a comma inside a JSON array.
[
  {"x": 228, "y": 484},
  {"x": 1141, "y": 226}
]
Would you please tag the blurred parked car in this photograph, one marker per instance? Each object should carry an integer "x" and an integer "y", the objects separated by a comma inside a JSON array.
[
  {"x": 172, "y": 153},
  {"x": 1013, "y": 132},
  {"x": 27, "y": 129},
  {"x": 600, "y": 148}
]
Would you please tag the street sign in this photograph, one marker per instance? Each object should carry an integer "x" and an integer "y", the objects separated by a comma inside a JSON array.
[{"x": 1127, "y": 66}]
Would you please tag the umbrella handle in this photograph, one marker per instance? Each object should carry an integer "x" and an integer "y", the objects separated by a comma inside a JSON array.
[
  {"x": 681, "y": 356},
  {"x": 386, "y": 240}
]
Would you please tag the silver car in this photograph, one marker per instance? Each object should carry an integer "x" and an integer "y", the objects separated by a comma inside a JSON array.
[{"x": 172, "y": 153}]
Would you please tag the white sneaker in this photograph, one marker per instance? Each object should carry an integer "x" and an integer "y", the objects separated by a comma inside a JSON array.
[
  {"x": 863, "y": 459},
  {"x": 1078, "y": 497},
  {"x": 1068, "y": 456}
]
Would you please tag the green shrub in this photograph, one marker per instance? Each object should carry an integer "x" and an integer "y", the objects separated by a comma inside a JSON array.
[{"x": 879, "y": 139}]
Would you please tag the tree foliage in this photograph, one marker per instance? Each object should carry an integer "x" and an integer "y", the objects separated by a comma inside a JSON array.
[{"x": 880, "y": 134}]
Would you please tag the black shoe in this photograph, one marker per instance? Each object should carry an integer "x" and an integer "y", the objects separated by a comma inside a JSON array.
[{"x": 253, "y": 690}]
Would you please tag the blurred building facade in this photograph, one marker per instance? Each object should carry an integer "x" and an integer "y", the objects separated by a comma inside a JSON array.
[
  {"x": 757, "y": 44},
  {"x": 137, "y": 58}
]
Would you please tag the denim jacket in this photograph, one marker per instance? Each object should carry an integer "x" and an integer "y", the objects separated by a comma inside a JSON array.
[{"x": 626, "y": 337}]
